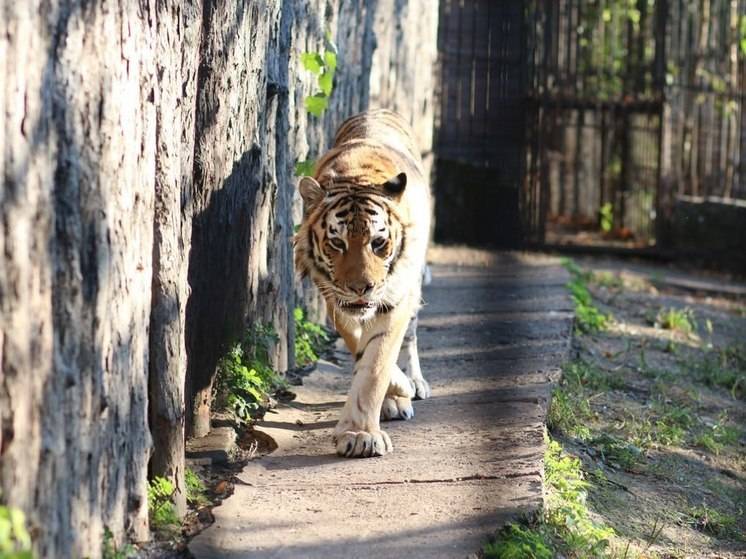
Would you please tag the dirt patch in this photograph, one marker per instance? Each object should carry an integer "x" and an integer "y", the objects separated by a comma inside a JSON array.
[{"x": 655, "y": 408}]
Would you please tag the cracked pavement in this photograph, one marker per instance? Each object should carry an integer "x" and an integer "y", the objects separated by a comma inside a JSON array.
[{"x": 493, "y": 332}]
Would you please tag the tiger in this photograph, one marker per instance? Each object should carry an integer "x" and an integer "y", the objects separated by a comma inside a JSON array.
[{"x": 363, "y": 241}]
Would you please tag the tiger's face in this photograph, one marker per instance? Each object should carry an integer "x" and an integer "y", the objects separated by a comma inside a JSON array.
[{"x": 354, "y": 239}]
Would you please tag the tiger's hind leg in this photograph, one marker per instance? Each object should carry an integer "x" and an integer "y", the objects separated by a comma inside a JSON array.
[
  {"x": 398, "y": 401},
  {"x": 409, "y": 361}
]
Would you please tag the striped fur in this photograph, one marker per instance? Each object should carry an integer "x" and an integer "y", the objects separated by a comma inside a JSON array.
[{"x": 363, "y": 241}]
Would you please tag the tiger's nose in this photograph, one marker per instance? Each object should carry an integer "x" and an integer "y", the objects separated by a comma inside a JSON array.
[{"x": 361, "y": 287}]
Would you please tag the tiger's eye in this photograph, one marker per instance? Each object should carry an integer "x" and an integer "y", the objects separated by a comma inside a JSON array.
[{"x": 378, "y": 243}]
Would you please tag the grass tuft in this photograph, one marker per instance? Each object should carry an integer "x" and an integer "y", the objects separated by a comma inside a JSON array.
[
  {"x": 161, "y": 507},
  {"x": 566, "y": 528},
  {"x": 588, "y": 318},
  {"x": 518, "y": 542},
  {"x": 15, "y": 542},
  {"x": 196, "y": 490},
  {"x": 245, "y": 375},
  {"x": 722, "y": 367},
  {"x": 110, "y": 550},
  {"x": 677, "y": 320},
  {"x": 713, "y": 522},
  {"x": 310, "y": 339}
]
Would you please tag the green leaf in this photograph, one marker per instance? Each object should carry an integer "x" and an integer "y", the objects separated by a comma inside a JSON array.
[
  {"x": 305, "y": 168},
  {"x": 330, "y": 61},
  {"x": 312, "y": 62},
  {"x": 329, "y": 43},
  {"x": 326, "y": 82},
  {"x": 316, "y": 104}
]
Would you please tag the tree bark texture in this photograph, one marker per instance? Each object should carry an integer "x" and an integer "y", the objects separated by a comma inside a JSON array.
[
  {"x": 78, "y": 158},
  {"x": 148, "y": 203}
]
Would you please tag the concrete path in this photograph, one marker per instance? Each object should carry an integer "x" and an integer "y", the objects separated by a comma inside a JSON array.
[{"x": 492, "y": 336}]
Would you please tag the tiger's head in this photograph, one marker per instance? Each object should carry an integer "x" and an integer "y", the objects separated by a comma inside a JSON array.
[{"x": 350, "y": 240}]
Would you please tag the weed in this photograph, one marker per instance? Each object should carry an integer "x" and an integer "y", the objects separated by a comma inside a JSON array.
[
  {"x": 580, "y": 374},
  {"x": 608, "y": 280},
  {"x": 722, "y": 367},
  {"x": 677, "y": 320},
  {"x": 712, "y": 521},
  {"x": 568, "y": 414},
  {"x": 323, "y": 65},
  {"x": 566, "y": 528},
  {"x": 109, "y": 549},
  {"x": 245, "y": 377},
  {"x": 617, "y": 452},
  {"x": 160, "y": 504},
  {"x": 518, "y": 542},
  {"x": 15, "y": 542},
  {"x": 606, "y": 217},
  {"x": 718, "y": 436},
  {"x": 588, "y": 318},
  {"x": 567, "y": 512},
  {"x": 305, "y": 168},
  {"x": 310, "y": 339},
  {"x": 195, "y": 489}
]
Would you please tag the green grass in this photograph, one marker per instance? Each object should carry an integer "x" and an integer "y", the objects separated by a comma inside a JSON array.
[
  {"x": 310, "y": 339},
  {"x": 606, "y": 279},
  {"x": 518, "y": 542},
  {"x": 677, "y": 320},
  {"x": 110, "y": 550},
  {"x": 569, "y": 414},
  {"x": 15, "y": 542},
  {"x": 721, "y": 367},
  {"x": 713, "y": 522},
  {"x": 617, "y": 452},
  {"x": 161, "y": 509},
  {"x": 195, "y": 489},
  {"x": 245, "y": 375},
  {"x": 719, "y": 436},
  {"x": 588, "y": 318},
  {"x": 570, "y": 410},
  {"x": 566, "y": 527},
  {"x": 579, "y": 374},
  {"x": 658, "y": 427}
]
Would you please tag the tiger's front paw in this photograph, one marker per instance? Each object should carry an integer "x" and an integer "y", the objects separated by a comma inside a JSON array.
[
  {"x": 362, "y": 444},
  {"x": 421, "y": 388},
  {"x": 397, "y": 408}
]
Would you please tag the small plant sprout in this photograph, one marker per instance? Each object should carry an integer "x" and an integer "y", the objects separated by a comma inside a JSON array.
[
  {"x": 15, "y": 542},
  {"x": 305, "y": 168},
  {"x": 195, "y": 489},
  {"x": 677, "y": 320},
  {"x": 310, "y": 339},
  {"x": 606, "y": 217},
  {"x": 588, "y": 318},
  {"x": 323, "y": 65},
  {"x": 566, "y": 528},
  {"x": 245, "y": 376},
  {"x": 110, "y": 550},
  {"x": 161, "y": 507}
]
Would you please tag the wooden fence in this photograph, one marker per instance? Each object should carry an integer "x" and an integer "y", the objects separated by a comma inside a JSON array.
[{"x": 588, "y": 116}]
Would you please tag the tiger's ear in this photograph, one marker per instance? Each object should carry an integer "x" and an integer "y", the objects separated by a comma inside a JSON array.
[
  {"x": 311, "y": 192},
  {"x": 394, "y": 187}
]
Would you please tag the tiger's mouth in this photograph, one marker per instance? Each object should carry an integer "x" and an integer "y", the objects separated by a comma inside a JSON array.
[
  {"x": 360, "y": 304},
  {"x": 357, "y": 308}
]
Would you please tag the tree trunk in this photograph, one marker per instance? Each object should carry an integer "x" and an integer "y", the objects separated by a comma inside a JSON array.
[
  {"x": 77, "y": 219},
  {"x": 178, "y": 30}
]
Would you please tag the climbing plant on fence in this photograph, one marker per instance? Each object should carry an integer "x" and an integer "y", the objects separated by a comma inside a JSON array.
[{"x": 323, "y": 65}]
